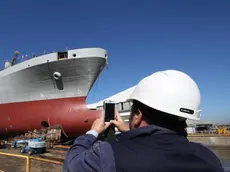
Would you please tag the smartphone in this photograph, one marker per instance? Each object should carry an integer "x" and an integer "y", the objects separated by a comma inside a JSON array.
[{"x": 109, "y": 109}]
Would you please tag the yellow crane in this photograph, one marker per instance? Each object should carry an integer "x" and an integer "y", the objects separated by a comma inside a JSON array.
[{"x": 221, "y": 129}]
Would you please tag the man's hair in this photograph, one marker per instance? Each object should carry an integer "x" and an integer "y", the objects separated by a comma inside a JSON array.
[{"x": 159, "y": 118}]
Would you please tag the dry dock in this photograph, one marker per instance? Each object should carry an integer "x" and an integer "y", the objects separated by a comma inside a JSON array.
[
  {"x": 211, "y": 139},
  {"x": 53, "y": 159},
  {"x": 219, "y": 144},
  {"x": 47, "y": 162}
]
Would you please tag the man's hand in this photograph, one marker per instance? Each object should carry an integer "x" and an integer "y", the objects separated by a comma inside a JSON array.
[
  {"x": 99, "y": 124},
  {"x": 119, "y": 123}
]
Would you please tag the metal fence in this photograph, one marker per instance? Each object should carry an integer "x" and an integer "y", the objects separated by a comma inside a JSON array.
[{"x": 28, "y": 160}]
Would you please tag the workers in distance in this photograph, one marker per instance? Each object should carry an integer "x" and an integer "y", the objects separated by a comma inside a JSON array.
[{"x": 155, "y": 140}]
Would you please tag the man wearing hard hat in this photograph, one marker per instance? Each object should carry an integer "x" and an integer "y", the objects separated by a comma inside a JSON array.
[{"x": 155, "y": 139}]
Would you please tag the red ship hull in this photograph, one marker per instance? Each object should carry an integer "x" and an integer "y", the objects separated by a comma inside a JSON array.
[{"x": 71, "y": 113}]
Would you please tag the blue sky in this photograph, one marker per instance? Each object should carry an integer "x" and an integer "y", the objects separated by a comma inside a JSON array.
[{"x": 141, "y": 37}]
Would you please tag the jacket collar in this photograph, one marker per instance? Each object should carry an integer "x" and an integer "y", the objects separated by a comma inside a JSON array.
[{"x": 146, "y": 130}]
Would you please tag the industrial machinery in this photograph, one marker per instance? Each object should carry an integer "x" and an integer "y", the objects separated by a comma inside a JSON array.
[
  {"x": 221, "y": 129},
  {"x": 31, "y": 146},
  {"x": 2, "y": 144}
]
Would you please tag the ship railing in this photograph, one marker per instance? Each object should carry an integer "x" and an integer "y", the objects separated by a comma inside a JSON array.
[
  {"x": 23, "y": 59},
  {"x": 60, "y": 55},
  {"x": 29, "y": 158}
]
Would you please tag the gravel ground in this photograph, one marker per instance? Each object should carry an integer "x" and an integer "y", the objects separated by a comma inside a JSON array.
[
  {"x": 14, "y": 164},
  {"x": 11, "y": 164}
]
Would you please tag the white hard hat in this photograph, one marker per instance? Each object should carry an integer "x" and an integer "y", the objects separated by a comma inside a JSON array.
[{"x": 171, "y": 92}]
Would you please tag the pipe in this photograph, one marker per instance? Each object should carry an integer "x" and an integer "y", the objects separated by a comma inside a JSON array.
[
  {"x": 208, "y": 135},
  {"x": 46, "y": 160},
  {"x": 19, "y": 156},
  {"x": 14, "y": 155},
  {"x": 62, "y": 146},
  {"x": 28, "y": 160},
  {"x": 57, "y": 75},
  {"x": 27, "y": 164}
]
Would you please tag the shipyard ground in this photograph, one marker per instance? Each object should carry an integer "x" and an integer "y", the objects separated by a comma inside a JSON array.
[{"x": 12, "y": 164}]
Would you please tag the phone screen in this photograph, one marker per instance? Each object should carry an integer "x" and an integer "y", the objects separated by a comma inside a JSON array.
[{"x": 109, "y": 111}]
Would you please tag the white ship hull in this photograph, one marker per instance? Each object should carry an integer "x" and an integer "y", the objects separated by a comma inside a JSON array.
[{"x": 33, "y": 79}]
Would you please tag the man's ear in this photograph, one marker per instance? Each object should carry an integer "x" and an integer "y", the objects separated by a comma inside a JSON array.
[{"x": 137, "y": 118}]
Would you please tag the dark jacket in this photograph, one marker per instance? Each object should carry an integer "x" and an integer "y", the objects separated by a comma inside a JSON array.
[{"x": 148, "y": 148}]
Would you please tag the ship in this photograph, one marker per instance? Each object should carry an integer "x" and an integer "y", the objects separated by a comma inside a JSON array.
[{"x": 50, "y": 89}]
